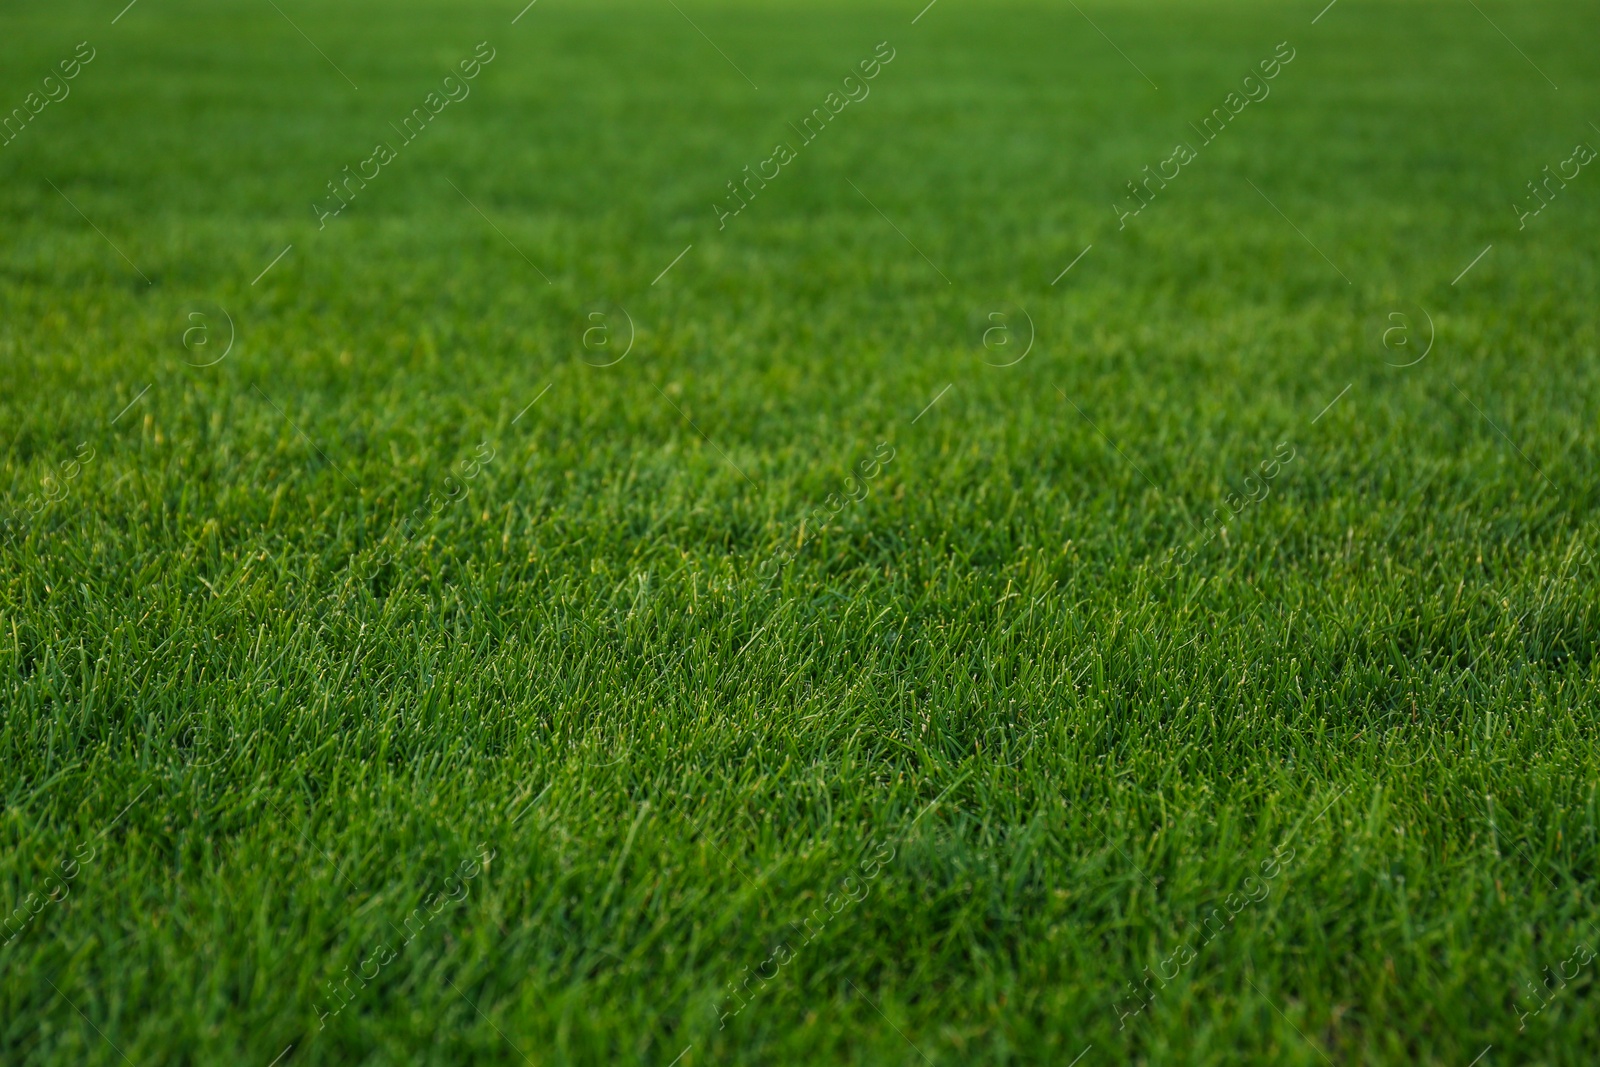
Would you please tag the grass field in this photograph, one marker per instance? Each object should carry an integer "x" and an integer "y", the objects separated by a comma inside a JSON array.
[{"x": 457, "y": 631}]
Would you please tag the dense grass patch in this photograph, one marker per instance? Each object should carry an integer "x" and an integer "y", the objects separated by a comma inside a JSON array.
[{"x": 818, "y": 681}]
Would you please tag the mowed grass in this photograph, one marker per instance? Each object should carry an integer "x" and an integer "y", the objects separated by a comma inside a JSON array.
[{"x": 580, "y": 734}]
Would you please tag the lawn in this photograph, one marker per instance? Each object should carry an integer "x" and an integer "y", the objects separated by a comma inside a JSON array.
[{"x": 705, "y": 532}]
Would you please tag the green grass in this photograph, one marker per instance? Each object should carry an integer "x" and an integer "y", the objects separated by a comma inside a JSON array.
[{"x": 275, "y": 698}]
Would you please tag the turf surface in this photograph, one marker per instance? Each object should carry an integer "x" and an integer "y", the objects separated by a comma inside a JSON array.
[{"x": 415, "y": 681}]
